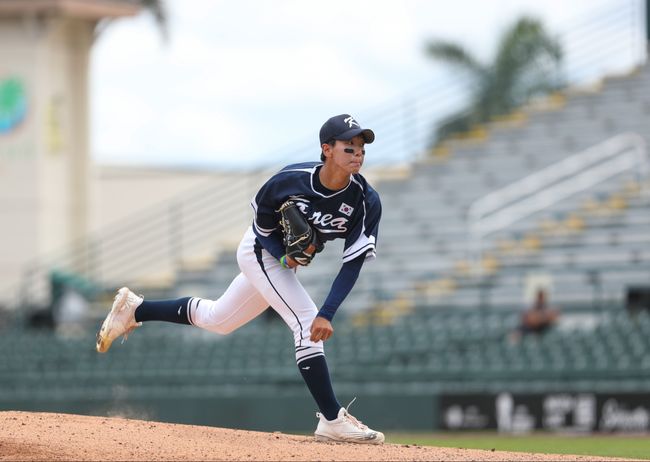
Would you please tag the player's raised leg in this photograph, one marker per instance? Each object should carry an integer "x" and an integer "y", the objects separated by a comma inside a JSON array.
[{"x": 239, "y": 304}]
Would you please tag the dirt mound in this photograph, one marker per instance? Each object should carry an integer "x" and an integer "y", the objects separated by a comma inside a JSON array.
[{"x": 44, "y": 436}]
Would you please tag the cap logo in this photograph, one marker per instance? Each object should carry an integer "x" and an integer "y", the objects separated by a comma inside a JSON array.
[{"x": 350, "y": 121}]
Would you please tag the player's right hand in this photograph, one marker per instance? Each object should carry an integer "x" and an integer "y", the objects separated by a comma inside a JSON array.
[{"x": 321, "y": 329}]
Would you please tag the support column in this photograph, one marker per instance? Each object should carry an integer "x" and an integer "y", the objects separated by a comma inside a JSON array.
[{"x": 45, "y": 156}]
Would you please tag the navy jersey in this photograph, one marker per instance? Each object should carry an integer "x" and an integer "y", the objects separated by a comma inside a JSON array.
[{"x": 352, "y": 213}]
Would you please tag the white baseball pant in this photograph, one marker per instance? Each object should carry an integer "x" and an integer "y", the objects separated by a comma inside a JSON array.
[{"x": 263, "y": 282}]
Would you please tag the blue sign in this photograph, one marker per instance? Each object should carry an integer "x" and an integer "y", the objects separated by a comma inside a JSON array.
[{"x": 13, "y": 104}]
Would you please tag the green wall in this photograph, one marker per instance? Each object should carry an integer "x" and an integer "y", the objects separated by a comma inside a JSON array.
[{"x": 288, "y": 413}]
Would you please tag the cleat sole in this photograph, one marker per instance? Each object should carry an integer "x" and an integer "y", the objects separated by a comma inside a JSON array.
[
  {"x": 103, "y": 342},
  {"x": 325, "y": 439}
]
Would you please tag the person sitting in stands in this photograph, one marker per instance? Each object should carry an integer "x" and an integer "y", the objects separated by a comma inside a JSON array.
[{"x": 537, "y": 319}]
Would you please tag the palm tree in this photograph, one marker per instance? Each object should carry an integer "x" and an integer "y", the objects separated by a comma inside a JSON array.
[
  {"x": 157, "y": 8},
  {"x": 526, "y": 65}
]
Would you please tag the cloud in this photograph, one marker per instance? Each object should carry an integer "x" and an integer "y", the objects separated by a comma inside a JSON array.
[
  {"x": 120, "y": 120},
  {"x": 251, "y": 77}
]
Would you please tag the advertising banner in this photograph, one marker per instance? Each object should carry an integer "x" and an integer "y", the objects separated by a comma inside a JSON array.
[{"x": 560, "y": 412}]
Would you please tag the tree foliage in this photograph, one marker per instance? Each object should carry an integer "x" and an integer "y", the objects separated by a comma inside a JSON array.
[
  {"x": 156, "y": 8},
  {"x": 526, "y": 64}
]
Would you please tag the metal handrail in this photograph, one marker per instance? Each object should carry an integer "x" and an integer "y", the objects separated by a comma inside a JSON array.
[{"x": 550, "y": 185}]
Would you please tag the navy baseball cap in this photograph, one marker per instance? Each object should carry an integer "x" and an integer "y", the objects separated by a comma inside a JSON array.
[{"x": 344, "y": 127}]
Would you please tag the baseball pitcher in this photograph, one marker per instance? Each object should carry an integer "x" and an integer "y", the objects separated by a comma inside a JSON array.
[{"x": 296, "y": 212}]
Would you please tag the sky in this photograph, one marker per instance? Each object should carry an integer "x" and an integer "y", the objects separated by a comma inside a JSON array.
[{"x": 239, "y": 84}]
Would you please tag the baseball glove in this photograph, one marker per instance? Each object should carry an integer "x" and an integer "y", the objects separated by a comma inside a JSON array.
[{"x": 301, "y": 242}]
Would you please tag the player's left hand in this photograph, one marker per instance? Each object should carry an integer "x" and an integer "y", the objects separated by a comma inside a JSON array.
[
  {"x": 301, "y": 242},
  {"x": 321, "y": 329}
]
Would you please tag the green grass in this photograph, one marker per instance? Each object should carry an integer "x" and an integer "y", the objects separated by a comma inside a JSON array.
[{"x": 636, "y": 447}]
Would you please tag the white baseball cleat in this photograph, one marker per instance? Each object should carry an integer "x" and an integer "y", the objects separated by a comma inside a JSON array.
[
  {"x": 346, "y": 429},
  {"x": 121, "y": 319}
]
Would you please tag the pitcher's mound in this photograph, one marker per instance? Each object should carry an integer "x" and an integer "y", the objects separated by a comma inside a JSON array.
[{"x": 44, "y": 436}]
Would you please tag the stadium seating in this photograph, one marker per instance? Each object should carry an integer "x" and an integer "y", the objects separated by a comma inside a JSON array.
[{"x": 443, "y": 349}]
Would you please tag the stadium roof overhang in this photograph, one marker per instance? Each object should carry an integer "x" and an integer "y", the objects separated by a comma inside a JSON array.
[{"x": 83, "y": 9}]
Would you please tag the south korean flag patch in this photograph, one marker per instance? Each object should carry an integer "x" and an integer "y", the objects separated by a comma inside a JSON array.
[{"x": 346, "y": 209}]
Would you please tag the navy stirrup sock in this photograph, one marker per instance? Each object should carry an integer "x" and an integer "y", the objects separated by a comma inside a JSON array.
[
  {"x": 317, "y": 377},
  {"x": 163, "y": 310}
]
